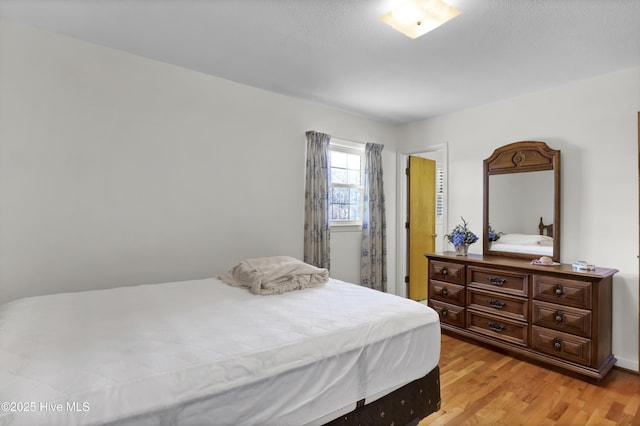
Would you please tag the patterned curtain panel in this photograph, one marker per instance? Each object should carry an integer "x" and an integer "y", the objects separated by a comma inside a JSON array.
[
  {"x": 316, "y": 201},
  {"x": 373, "y": 264}
]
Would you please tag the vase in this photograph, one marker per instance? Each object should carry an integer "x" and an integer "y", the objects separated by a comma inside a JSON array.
[{"x": 462, "y": 249}]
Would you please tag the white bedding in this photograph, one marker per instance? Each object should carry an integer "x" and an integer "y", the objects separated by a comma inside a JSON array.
[
  {"x": 524, "y": 243},
  {"x": 523, "y": 248},
  {"x": 202, "y": 352}
]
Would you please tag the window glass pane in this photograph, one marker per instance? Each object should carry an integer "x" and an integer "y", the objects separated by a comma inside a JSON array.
[
  {"x": 339, "y": 159},
  {"x": 340, "y": 195},
  {"x": 335, "y": 211},
  {"x": 354, "y": 196},
  {"x": 354, "y": 211},
  {"x": 338, "y": 175},
  {"x": 354, "y": 203},
  {"x": 353, "y": 162},
  {"x": 353, "y": 177},
  {"x": 340, "y": 212},
  {"x": 346, "y": 179}
]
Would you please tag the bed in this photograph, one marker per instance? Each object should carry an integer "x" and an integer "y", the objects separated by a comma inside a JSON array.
[
  {"x": 541, "y": 244},
  {"x": 204, "y": 352}
]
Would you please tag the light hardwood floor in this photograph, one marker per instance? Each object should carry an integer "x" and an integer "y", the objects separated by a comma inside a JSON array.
[{"x": 483, "y": 387}]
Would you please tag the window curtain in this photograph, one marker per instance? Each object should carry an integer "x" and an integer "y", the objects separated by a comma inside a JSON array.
[
  {"x": 373, "y": 264},
  {"x": 316, "y": 199}
]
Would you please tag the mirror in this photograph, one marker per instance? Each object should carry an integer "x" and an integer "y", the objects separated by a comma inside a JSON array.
[{"x": 522, "y": 201}]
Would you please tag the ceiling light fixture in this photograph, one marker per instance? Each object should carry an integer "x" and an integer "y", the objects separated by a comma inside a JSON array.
[{"x": 415, "y": 18}]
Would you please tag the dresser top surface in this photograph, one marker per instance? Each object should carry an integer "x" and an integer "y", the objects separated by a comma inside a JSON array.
[{"x": 523, "y": 264}]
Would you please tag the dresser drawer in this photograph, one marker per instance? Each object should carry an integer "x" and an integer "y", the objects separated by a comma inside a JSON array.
[
  {"x": 497, "y": 280},
  {"x": 566, "y": 292},
  {"x": 562, "y": 318},
  {"x": 449, "y": 314},
  {"x": 498, "y": 304},
  {"x": 446, "y": 292},
  {"x": 447, "y": 271},
  {"x": 497, "y": 327},
  {"x": 562, "y": 345}
]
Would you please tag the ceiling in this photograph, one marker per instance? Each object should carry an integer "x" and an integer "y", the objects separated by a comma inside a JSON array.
[{"x": 338, "y": 53}]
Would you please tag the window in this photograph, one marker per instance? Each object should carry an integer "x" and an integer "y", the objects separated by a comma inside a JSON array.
[{"x": 347, "y": 183}]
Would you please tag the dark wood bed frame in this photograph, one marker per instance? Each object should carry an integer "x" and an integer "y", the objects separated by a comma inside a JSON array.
[
  {"x": 404, "y": 406},
  {"x": 545, "y": 228}
]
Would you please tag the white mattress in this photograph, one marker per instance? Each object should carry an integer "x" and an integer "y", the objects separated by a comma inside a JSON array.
[
  {"x": 202, "y": 352},
  {"x": 523, "y": 248}
]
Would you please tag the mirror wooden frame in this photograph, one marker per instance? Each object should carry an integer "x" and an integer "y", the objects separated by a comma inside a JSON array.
[{"x": 521, "y": 157}]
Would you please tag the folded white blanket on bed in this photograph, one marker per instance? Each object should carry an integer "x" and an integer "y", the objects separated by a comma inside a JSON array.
[{"x": 274, "y": 275}]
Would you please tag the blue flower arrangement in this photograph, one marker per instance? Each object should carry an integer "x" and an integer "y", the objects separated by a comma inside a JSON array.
[
  {"x": 462, "y": 235},
  {"x": 493, "y": 234}
]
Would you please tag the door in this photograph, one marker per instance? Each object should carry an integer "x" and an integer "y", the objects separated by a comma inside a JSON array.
[{"x": 421, "y": 222}]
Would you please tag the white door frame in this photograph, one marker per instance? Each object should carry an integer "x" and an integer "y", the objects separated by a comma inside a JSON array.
[{"x": 401, "y": 190}]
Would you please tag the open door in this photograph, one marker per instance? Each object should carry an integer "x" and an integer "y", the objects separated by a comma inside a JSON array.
[{"x": 421, "y": 223}]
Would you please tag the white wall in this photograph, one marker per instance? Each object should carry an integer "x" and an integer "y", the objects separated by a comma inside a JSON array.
[
  {"x": 120, "y": 170},
  {"x": 594, "y": 123}
]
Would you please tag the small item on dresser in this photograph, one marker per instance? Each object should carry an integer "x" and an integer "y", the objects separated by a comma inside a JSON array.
[
  {"x": 544, "y": 260},
  {"x": 581, "y": 265}
]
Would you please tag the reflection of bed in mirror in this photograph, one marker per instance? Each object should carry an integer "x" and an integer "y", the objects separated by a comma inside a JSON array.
[{"x": 541, "y": 244}]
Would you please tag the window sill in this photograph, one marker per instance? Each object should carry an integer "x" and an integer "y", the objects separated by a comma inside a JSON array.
[{"x": 346, "y": 228}]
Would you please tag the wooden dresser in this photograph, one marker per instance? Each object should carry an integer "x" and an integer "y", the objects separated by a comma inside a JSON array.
[{"x": 548, "y": 314}]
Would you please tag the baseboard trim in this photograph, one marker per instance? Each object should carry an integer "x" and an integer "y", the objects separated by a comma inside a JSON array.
[{"x": 626, "y": 370}]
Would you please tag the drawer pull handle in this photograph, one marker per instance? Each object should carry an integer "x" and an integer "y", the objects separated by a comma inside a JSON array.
[
  {"x": 495, "y": 303},
  {"x": 559, "y": 318},
  {"x": 445, "y": 292},
  {"x": 444, "y": 271},
  {"x": 445, "y": 312},
  {"x": 497, "y": 280},
  {"x": 557, "y": 344},
  {"x": 496, "y": 327},
  {"x": 559, "y": 290}
]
